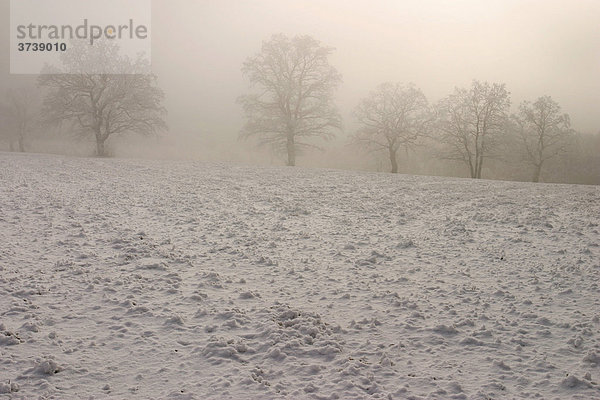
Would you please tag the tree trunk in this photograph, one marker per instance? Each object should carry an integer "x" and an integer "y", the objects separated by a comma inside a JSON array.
[
  {"x": 291, "y": 151},
  {"x": 100, "y": 150},
  {"x": 479, "y": 167},
  {"x": 393, "y": 160},
  {"x": 21, "y": 144},
  {"x": 536, "y": 173},
  {"x": 471, "y": 168}
]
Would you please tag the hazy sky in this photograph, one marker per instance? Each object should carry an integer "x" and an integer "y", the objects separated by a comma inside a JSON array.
[{"x": 535, "y": 47}]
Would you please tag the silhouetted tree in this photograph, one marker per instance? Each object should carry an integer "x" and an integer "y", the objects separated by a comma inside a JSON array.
[
  {"x": 99, "y": 103},
  {"x": 545, "y": 132},
  {"x": 391, "y": 117},
  {"x": 470, "y": 122},
  {"x": 293, "y": 103}
]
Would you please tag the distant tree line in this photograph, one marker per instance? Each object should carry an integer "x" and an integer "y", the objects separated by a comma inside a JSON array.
[
  {"x": 291, "y": 108},
  {"x": 293, "y": 105}
]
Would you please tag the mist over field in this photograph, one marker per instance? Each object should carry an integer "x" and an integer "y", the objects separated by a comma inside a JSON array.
[
  {"x": 302, "y": 200},
  {"x": 198, "y": 50}
]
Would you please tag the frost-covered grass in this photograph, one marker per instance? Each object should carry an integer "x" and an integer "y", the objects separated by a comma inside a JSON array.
[{"x": 146, "y": 279}]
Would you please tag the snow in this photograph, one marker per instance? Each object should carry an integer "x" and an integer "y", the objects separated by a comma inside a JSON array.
[{"x": 164, "y": 279}]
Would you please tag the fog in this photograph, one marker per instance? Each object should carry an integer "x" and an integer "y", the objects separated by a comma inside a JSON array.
[
  {"x": 535, "y": 47},
  {"x": 305, "y": 199}
]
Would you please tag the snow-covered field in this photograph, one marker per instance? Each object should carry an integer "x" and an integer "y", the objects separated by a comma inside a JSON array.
[{"x": 132, "y": 279}]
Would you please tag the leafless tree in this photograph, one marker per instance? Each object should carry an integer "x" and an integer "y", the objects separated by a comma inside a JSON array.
[
  {"x": 103, "y": 104},
  {"x": 19, "y": 115},
  {"x": 293, "y": 103},
  {"x": 470, "y": 122},
  {"x": 545, "y": 132},
  {"x": 391, "y": 117}
]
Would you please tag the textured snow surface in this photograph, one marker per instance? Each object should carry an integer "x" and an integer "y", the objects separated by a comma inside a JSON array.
[{"x": 134, "y": 279}]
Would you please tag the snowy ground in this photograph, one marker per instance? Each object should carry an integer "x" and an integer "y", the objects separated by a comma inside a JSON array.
[{"x": 143, "y": 279}]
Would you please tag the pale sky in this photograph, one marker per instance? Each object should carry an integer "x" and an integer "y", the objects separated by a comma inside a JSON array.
[{"x": 536, "y": 47}]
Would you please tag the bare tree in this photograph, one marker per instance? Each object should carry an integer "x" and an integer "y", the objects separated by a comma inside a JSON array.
[
  {"x": 470, "y": 122},
  {"x": 392, "y": 116},
  {"x": 103, "y": 104},
  {"x": 294, "y": 99},
  {"x": 19, "y": 114},
  {"x": 545, "y": 132}
]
